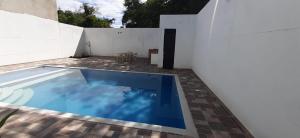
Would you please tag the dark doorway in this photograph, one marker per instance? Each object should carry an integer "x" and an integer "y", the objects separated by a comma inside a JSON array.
[{"x": 169, "y": 48}]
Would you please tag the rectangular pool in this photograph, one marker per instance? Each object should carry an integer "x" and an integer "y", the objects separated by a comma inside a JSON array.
[{"x": 142, "y": 98}]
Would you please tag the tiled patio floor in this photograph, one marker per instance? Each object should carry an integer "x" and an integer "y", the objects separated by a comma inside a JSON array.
[{"x": 211, "y": 117}]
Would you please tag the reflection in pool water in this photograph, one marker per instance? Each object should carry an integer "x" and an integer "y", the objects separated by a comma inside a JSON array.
[{"x": 138, "y": 97}]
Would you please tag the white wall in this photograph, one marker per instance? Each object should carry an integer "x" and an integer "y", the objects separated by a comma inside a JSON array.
[
  {"x": 27, "y": 38},
  {"x": 247, "y": 52},
  {"x": 41, "y": 8},
  {"x": 70, "y": 39},
  {"x": 185, "y": 36},
  {"x": 109, "y": 42}
]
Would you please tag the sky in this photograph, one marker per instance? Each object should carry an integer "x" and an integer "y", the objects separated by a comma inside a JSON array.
[{"x": 106, "y": 8}]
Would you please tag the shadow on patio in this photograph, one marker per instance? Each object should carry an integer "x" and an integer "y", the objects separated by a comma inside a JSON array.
[{"x": 211, "y": 117}]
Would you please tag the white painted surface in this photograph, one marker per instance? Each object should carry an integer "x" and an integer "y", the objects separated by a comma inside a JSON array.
[
  {"x": 185, "y": 38},
  {"x": 247, "y": 52},
  {"x": 27, "y": 38},
  {"x": 110, "y": 42},
  {"x": 154, "y": 59},
  {"x": 41, "y": 8},
  {"x": 71, "y": 39}
]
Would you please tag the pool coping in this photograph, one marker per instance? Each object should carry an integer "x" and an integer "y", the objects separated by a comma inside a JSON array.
[{"x": 188, "y": 120}]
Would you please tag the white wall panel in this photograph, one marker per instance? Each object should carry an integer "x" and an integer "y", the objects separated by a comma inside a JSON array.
[
  {"x": 185, "y": 38},
  {"x": 247, "y": 52},
  {"x": 27, "y": 38},
  {"x": 110, "y": 42}
]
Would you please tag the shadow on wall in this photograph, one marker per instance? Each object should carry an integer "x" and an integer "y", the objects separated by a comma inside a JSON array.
[
  {"x": 105, "y": 42},
  {"x": 82, "y": 49}
]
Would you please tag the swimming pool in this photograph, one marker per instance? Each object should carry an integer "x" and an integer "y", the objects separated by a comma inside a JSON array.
[{"x": 141, "y": 99}]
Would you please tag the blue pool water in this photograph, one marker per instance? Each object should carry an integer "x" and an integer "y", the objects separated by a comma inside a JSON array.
[{"x": 136, "y": 97}]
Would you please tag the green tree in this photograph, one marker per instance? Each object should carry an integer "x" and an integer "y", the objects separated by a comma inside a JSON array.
[
  {"x": 147, "y": 14},
  {"x": 85, "y": 17}
]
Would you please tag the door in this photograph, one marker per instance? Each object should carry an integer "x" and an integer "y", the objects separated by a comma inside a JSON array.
[{"x": 169, "y": 48}]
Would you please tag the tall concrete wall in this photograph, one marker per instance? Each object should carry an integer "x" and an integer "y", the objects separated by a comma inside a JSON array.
[
  {"x": 185, "y": 36},
  {"x": 110, "y": 42},
  {"x": 27, "y": 38},
  {"x": 247, "y": 52},
  {"x": 41, "y": 8},
  {"x": 41, "y": 39}
]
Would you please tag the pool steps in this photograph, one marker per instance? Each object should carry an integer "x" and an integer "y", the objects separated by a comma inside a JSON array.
[
  {"x": 17, "y": 95},
  {"x": 31, "y": 77}
]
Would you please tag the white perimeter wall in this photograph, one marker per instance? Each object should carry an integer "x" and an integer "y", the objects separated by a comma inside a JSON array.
[
  {"x": 247, "y": 52},
  {"x": 110, "y": 42},
  {"x": 27, "y": 38},
  {"x": 185, "y": 38}
]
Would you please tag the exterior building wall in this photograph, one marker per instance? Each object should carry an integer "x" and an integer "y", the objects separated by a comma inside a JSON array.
[
  {"x": 110, "y": 42},
  {"x": 247, "y": 52},
  {"x": 185, "y": 38},
  {"x": 27, "y": 38},
  {"x": 41, "y": 8}
]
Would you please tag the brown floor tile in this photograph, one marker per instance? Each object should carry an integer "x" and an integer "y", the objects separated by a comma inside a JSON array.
[{"x": 211, "y": 117}]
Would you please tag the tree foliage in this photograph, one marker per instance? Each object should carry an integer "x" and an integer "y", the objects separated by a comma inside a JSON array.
[
  {"x": 85, "y": 17},
  {"x": 146, "y": 15}
]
